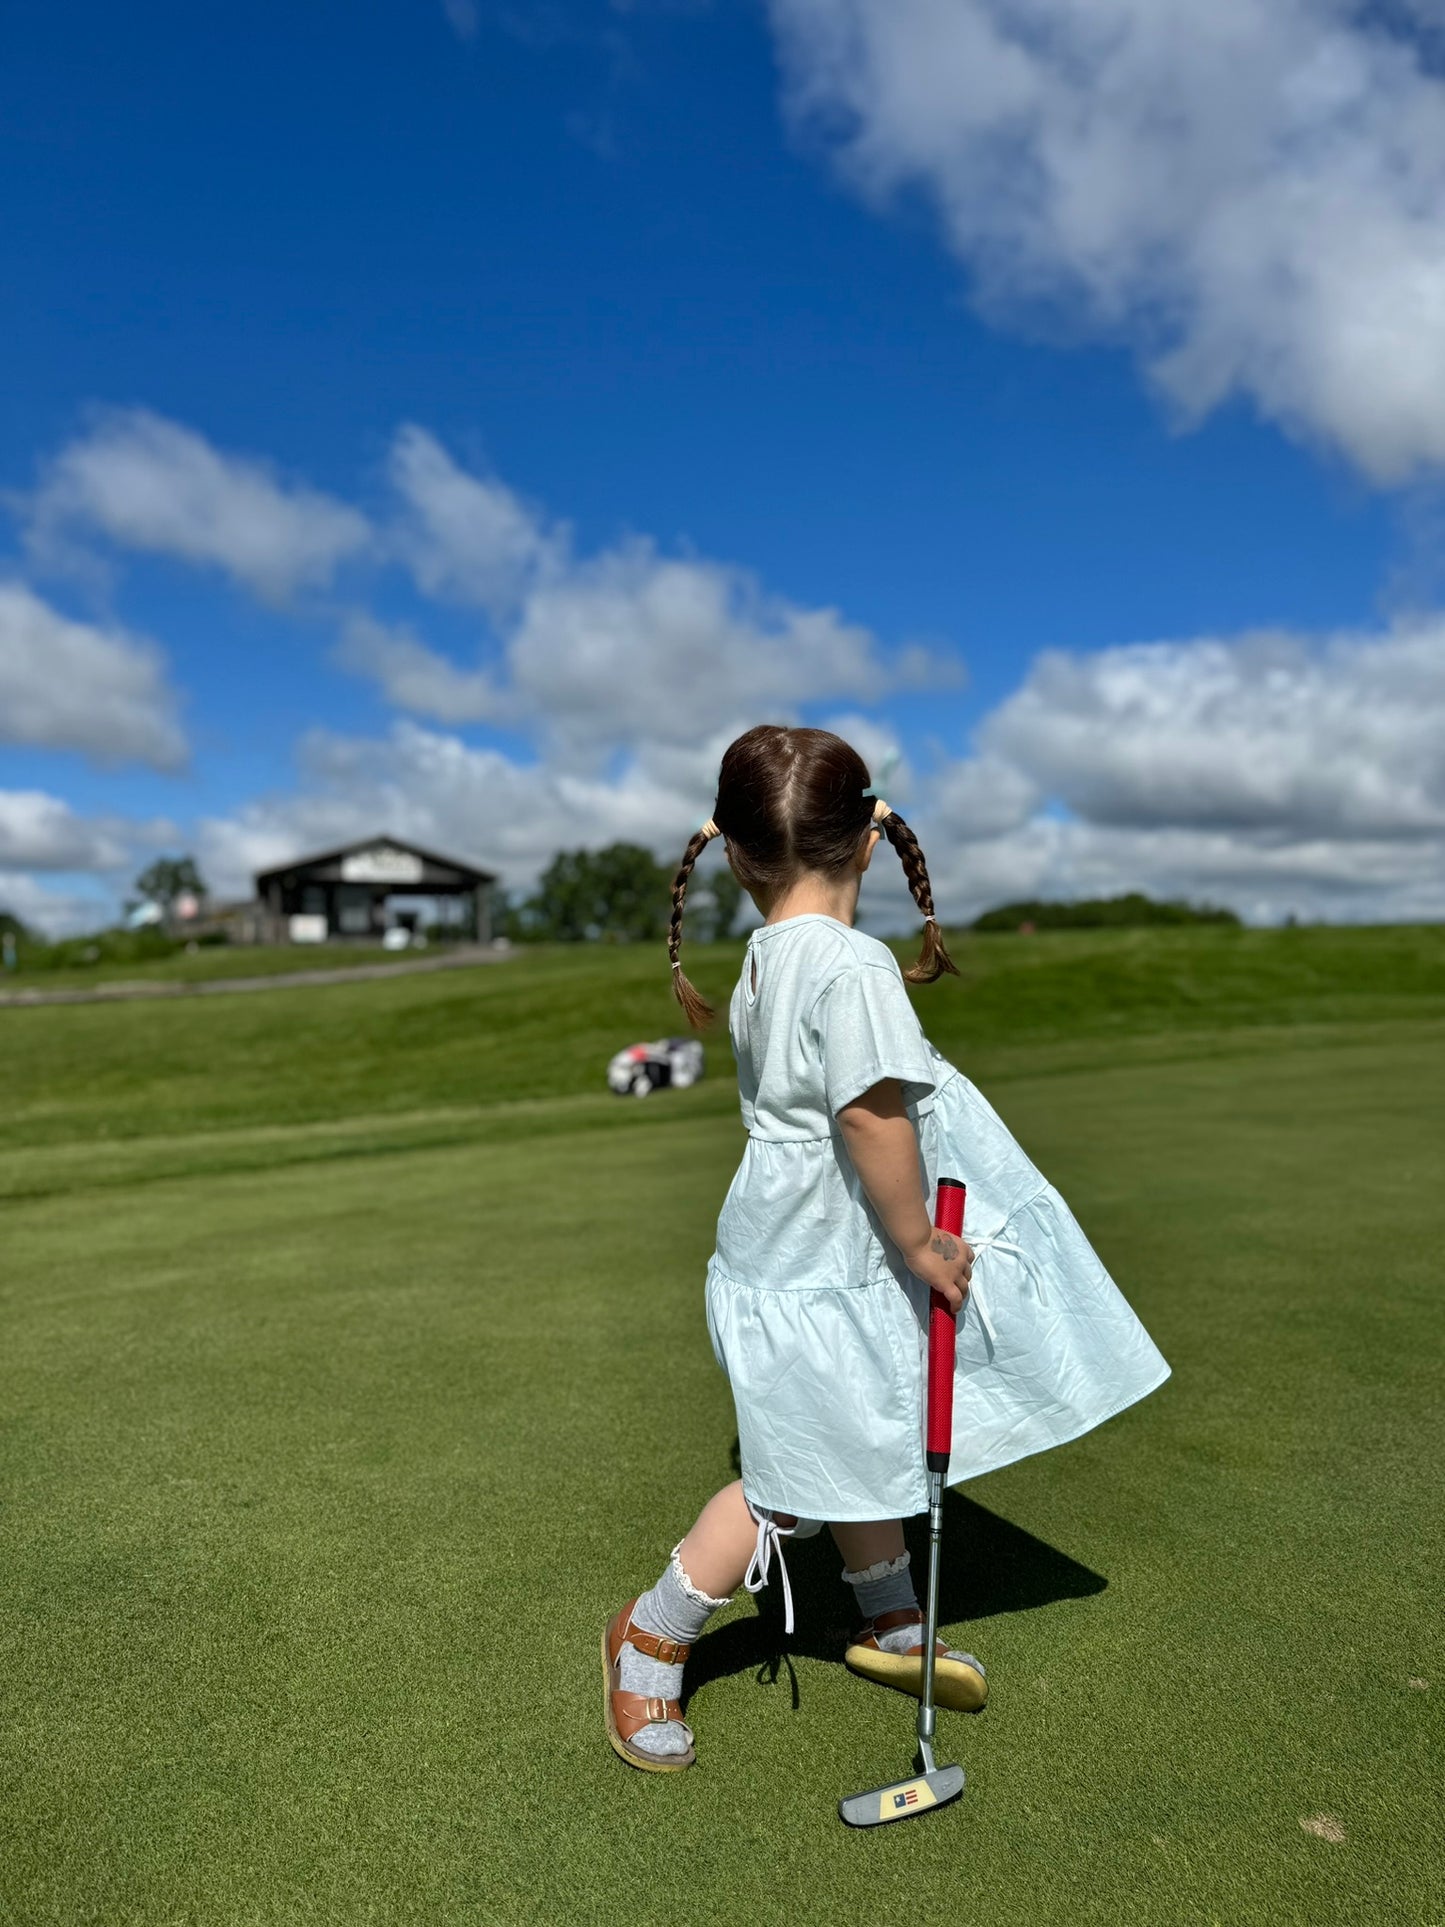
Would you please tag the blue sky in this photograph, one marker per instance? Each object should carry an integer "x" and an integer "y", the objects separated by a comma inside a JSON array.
[{"x": 462, "y": 419}]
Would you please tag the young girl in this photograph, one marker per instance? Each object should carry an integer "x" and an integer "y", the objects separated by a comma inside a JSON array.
[{"x": 817, "y": 1293}]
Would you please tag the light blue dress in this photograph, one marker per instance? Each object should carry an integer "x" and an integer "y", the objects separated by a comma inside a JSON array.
[{"x": 817, "y": 1322}]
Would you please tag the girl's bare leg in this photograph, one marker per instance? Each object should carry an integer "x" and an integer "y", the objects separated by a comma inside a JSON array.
[
  {"x": 868, "y": 1542},
  {"x": 875, "y": 1568},
  {"x": 716, "y": 1553}
]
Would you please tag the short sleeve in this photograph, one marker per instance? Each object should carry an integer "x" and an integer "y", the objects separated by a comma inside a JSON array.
[{"x": 866, "y": 1030}]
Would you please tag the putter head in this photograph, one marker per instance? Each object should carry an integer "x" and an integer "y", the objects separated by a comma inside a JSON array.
[{"x": 902, "y": 1799}]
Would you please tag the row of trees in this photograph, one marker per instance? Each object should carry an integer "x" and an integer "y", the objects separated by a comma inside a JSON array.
[
  {"x": 1099, "y": 913},
  {"x": 622, "y": 894},
  {"x": 166, "y": 881},
  {"x": 166, "y": 884},
  {"x": 625, "y": 894}
]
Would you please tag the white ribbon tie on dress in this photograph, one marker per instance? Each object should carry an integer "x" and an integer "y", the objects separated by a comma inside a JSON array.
[
  {"x": 993, "y": 1242},
  {"x": 770, "y": 1540}
]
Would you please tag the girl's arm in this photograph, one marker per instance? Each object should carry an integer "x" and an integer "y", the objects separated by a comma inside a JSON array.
[{"x": 883, "y": 1145}]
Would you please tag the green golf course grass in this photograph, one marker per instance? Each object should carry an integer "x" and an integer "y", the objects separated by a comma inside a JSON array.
[
  {"x": 354, "y": 1369},
  {"x": 204, "y": 965}
]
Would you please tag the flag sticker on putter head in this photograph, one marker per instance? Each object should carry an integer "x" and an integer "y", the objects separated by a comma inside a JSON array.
[
  {"x": 913, "y": 1796},
  {"x": 902, "y": 1799}
]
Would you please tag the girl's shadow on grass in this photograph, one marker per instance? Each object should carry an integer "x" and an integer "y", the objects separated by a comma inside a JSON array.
[{"x": 988, "y": 1566}]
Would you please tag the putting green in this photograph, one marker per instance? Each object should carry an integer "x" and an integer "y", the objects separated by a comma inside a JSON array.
[{"x": 339, "y": 1412}]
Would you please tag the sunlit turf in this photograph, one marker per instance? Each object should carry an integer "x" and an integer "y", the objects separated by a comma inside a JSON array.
[{"x": 354, "y": 1368}]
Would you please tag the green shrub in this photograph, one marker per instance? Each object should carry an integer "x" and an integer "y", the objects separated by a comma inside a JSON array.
[
  {"x": 102, "y": 946},
  {"x": 1100, "y": 913}
]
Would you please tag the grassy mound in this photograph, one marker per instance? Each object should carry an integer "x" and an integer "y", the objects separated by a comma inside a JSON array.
[
  {"x": 355, "y": 1369},
  {"x": 545, "y": 1024},
  {"x": 150, "y": 957}
]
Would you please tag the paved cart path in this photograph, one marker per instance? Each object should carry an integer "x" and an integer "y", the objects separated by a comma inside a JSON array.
[{"x": 121, "y": 992}]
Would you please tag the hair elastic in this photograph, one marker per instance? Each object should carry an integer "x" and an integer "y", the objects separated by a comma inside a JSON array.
[
  {"x": 709, "y": 830},
  {"x": 932, "y": 920},
  {"x": 881, "y": 809}
]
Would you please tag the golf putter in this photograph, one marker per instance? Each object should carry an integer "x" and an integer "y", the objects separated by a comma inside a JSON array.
[{"x": 932, "y": 1785}]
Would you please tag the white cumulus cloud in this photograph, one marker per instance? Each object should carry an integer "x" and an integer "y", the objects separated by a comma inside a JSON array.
[
  {"x": 1251, "y": 192},
  {"x": 41, "y": 832},
  {"x": 478, "y": 803},
  {"x": 1272, "y": 773},
  {"x": 467, "y": 538},
  {"x": 587, "y": 653},
  {"x": 71, "y": 685},
  {"x": 55, "y": 913},
  {"x": 1262, "y": 879},
  {"x": 594, "y": 653},
  {"x": 415, "y": 677},
  {"x": 638, "y": 646},
  {"x": 1269, "y": 733},
  {"x": 153, "y": 485}
]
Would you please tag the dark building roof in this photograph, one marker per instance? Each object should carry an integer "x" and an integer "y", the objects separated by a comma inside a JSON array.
[{"x": 383, "y": 861}]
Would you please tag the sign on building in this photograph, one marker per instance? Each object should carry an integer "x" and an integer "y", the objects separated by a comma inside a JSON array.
[{"x": 381, "y": 864}]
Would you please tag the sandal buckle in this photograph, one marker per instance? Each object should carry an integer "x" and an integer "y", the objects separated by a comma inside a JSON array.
[{"x": 657, "y": 1712}]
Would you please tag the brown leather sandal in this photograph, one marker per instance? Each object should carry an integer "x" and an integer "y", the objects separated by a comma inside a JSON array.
[
  {"x": 628, "y": 1713},
  {"x": 958, "y": 1679}
]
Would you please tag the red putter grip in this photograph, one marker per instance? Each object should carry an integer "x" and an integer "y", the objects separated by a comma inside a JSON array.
[{"x": 942, "y": 1335}]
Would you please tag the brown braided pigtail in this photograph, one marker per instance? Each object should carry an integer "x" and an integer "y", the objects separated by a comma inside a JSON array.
[
  {"x": 699, "y": 1011},
  {"x": 933, "y": 957}
]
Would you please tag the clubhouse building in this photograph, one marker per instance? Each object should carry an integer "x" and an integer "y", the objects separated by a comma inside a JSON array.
[{"x": 364, "y": 890}]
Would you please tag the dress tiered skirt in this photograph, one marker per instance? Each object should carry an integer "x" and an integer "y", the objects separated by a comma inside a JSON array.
[
  {"x": 1048, "y": 1345},
  {"x": 827, "y": 1378}
]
